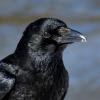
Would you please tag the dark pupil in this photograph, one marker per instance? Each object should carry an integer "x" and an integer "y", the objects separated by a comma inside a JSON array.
[{"x": 54, "y": 32}]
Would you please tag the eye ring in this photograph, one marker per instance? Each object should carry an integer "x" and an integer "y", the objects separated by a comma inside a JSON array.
[{"x": 46, "y": 35}]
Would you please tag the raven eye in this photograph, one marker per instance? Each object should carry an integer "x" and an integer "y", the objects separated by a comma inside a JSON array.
[
  {"x": 62, "y": 30},
  {"x": 46, "y": 35}
]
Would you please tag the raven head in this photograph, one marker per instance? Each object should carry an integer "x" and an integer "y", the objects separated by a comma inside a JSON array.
[{"x": 50, "y": 35}]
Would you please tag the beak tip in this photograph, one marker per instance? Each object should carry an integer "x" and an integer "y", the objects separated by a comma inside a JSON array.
[{"x": 83, "y": 38}]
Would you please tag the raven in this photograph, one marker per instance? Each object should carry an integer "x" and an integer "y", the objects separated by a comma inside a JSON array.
[{"x": 35, "y": 71}]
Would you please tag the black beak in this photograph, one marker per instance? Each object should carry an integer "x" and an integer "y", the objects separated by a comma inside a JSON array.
[{"x": 71, "y": 36}]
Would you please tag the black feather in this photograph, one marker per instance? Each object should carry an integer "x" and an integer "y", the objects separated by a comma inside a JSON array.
[{"x": 37, "y": 65}]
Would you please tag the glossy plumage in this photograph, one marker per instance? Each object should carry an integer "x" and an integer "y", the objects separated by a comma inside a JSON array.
[{"x": 35, "y": 71}]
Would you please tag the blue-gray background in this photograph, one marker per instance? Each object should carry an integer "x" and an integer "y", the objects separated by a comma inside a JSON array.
[{"x": 81, "y": 59}]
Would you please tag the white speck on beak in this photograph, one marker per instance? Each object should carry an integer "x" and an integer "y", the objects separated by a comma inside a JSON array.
[{"x": 83, "y": 38}]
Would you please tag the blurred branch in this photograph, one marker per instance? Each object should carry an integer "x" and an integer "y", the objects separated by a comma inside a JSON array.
[{"x": 26, "y": 19}]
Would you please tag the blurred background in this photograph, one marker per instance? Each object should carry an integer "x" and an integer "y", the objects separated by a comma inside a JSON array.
[{"x": 82, "y": 60}]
